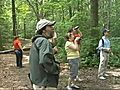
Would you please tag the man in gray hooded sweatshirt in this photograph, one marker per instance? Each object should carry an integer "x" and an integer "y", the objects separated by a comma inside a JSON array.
[{"x": 44, "y": 70}]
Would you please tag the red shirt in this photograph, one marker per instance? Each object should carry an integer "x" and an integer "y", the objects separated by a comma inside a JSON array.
[
  {"x": 16, "y": 44},
  {"x": 77, "y": 35}
]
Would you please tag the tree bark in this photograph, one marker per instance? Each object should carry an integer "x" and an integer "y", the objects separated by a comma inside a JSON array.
[
  {"x": 63, "y": 18},
  {"x": 14, "y": 18},
  {"x": 0, "y": 41},
  {"x": 1, "y": 12},
  {"x": 70, "y": 11},
  {"x": 37, "y": 10},
  {"x": 24, "y": 28},
  {"x": 94, "y": 13},
  {"x": 78, "y": 3},
  {"x": 109, "y": 12}
]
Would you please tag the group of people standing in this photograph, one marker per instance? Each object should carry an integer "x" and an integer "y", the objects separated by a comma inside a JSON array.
[{"x": 44, "y": 69}]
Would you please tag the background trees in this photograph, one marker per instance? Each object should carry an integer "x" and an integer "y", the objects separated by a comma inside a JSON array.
[{"x": 90, "y": 15}]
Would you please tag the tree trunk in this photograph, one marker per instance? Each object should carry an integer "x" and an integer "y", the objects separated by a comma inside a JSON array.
[
  {"x": 14, "y": 18},
  {"x": 70, "y": 11},
  {"x": 24, "y": 29},
  {"x": 109, "y": 12},
  {"x": 53, "y": 18},
  {"x": 81, "y": 6},
  {"x": 0, "y": 41},
  {"x": 37, "y": 10},
  {"x": 78, "y": 3},
  {"x": 63, "y": 18},
  {"x": 1, "y": 12},
  {"x": 39, "y": 14},
  {"x": 94, "y": 13}
]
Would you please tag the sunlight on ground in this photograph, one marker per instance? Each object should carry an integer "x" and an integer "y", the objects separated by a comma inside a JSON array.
[
  {"x": 115, "y": 72},
  {"x": 26, "y": 57},
  {"x": 115, "y": 87}
]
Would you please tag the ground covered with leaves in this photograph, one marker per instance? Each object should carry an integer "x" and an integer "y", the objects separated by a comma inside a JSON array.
[{"x": 13, "y": 78}]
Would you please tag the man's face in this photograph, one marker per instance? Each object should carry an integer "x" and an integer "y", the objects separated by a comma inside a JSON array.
[
  {"x": 106, "y": 33},
  {"x": 49, "y": 31}
]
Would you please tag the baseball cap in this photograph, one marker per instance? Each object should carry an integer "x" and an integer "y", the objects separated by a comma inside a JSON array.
[
  {"x": 105, "y": 30},
  {"x": 43, "y": 22}
]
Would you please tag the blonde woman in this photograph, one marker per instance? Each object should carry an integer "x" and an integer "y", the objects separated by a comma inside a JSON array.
[{"x": 72, "y": 50}]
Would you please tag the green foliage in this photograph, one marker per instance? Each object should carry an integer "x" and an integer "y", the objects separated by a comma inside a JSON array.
[
  {"x": 61, "y": 30},
  {"x": 67, "y": 14},
  {"x": 115, "y": 59}
]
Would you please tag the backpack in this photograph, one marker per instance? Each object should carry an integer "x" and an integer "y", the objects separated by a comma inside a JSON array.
[{"x": 97, "y": 49}]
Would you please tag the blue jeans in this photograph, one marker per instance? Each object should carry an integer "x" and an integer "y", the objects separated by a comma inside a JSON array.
[
  {"x": 74, "y": 67},
  {"x": 19, "y": 56}
]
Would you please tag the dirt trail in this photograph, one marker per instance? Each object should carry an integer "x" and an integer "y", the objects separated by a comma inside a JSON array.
[{"x": 12, "y": 78}]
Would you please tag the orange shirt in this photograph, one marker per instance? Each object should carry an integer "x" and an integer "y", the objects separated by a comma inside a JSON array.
[{"x": 16, "y": 43}]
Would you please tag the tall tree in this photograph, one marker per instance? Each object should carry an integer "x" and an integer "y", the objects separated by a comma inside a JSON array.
[
  {"x": 94, "y": 13},
  {"x": 14, "y": 18},
  {"x": 36, "y": 8},
  {"x": 1, "y": 19},
  {"x": 109, "y": 12}
]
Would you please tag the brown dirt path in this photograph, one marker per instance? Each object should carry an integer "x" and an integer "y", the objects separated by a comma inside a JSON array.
[{"x": 12, "y": 78}]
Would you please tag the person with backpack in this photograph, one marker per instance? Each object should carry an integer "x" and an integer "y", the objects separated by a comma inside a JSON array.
[
  {"x": 104, "y": 48},
  {"x": 44, "y": 70}
]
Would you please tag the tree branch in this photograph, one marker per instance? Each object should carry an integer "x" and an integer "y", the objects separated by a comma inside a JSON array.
[{"x": 30, "y": 4}]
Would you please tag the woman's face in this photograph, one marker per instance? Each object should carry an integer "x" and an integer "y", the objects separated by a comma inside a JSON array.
[
  {"x": 106, "y": 33},
  {"x": 72, "y": 37}
]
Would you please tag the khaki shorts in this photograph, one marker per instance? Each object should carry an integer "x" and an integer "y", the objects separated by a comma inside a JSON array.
[{"x": 74, "y": 67}]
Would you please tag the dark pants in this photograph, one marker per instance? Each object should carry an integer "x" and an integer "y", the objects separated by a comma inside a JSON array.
[{"x": 19, "y": 55}]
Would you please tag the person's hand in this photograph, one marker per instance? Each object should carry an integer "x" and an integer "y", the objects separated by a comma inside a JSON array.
[
  {"x": 108, "y": 49},
  {"x": 22, "y": 50},
  {"x": 112, "y": 54},
  {"x": 77, "y": 38},
  {"x": 16, "y": 51},
  {"x": 55, "y": 50}
]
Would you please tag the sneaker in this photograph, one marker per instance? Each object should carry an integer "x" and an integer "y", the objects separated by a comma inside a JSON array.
[
  {"x": 78, "y": 79},
  {"x": 106, "y": 75},
  {"x": 69, "y": 88},
  {"x": 75, "y": 86},
  {"x": 102, "y": 78}
]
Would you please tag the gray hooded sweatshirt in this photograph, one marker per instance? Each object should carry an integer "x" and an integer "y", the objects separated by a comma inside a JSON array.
[{"x": 44, "y": 71}]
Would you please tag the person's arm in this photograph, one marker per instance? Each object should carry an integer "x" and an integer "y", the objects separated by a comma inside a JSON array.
[
  {"x": 20, "y": 46},
  {"x": 75, "y": 46},
  {"x": 81, "y": 35},
  {"x": 55, "y": 50},
  {"x": 46, "y": 56},
  {"x": 100, "y": 46},
  {"x": 50, "y": 66}
]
